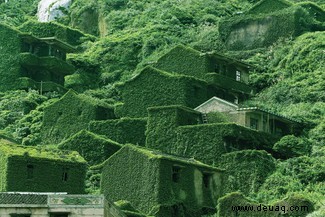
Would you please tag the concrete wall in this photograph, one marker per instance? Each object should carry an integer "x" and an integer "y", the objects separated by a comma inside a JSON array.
[
  {"x": 75, "y": 205},
  {"x": 24, "y": 209},
  {"x": 215, "y": 105}
]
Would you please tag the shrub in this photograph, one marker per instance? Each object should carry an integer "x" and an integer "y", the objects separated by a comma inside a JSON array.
[
  {"x": 246, "y": 170},
  {"x": 291, "y": 146}
]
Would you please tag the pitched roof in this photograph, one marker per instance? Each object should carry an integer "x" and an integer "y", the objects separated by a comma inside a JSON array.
[
  {"x": 219, "y": 100},
  {"x": 213, "y": 54},
  {"x": 269, "y": 6},
  {"x": 40, "y": 152},
  {"x": 84, "y": 98},
  {"x": 149, "y": 70}
]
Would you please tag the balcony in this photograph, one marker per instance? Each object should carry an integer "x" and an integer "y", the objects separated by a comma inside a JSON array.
[
  {"x": 26, "y": 83},
  {"x": 228, "y": 83},
  {"x": 49, "y": 63}
]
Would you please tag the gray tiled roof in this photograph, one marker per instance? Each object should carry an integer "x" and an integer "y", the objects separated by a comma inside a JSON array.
[{"x": 16, "y": 198}]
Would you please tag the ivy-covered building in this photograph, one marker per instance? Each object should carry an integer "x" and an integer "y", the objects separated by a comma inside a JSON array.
[
  {"x": 153, "y": 87},
  {"x": 268, "y": 21},
  {"x": 28, "y": 169},
  {"x": 70, "y": 114},
  {"x": 228, "y": 75},
  {"x": 251, "y": 117},
  {"x": 44, "y": 59},
  {"x": 160, "y": 184},
  {"x": 182, "y": 131},
  {"x": 95, "y": 149},
  {"x": 31, "y": 62},
  {"x": 123, "y": 130},
  {"x": 246, "y": 170}
]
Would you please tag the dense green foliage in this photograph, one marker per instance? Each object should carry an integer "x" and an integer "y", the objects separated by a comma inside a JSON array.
[
  {"x": 291, "y": 146},
  {"x": 246, "y": 170},
  {"x": 162, "y": 125},
  {"x": 9, "y": 56},
  {"x": 222, "y": 137},
  {"x": 128, "y": 209},
  {"x": 267, "y": 6},
  {"x": 153, "y": 87},
  {"x": 124, "y": 130},
  {"x": 133, "y": 34},
  {"x": 93, "y": 148},
  {"x": 26, "y": 9},
  {"x": 289, "y": 22},
  {"x": 187, "y": 61},
  {"x": 61, "y": 120},
  {"x": 52, "y": 29},
  {"x": 16, "y": 104},
  {"x": 42, "y": 170},
  {"x": 159, "y": 189}
]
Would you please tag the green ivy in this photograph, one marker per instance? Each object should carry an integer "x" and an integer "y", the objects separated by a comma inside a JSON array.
[
  {"x": 124, "y": 130},
  {"x": 95, "y": 149}
]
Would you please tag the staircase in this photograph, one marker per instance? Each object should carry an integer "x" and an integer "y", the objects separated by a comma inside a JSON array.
[{"x": 204, "y": 118}]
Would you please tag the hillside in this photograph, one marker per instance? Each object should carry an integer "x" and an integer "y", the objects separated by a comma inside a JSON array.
[{"x": 118, "y": 42}]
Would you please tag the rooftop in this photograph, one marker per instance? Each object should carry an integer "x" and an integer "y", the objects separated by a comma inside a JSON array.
[
  {"x": 266, "y": 111},
  {"x": 155, "y": 154},
  {"x": 9, "y": 150},
  {"x": 48, "y": 40}
]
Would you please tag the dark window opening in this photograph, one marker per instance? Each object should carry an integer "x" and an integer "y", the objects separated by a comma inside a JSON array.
[
  {"x": 65, "y": 174},
  {"x": 196, "y": 91},
  {"x": 175, "y": 211},
  {"x": 59, "y": 215},
  {"x": 176, "y": 174},
  {"x": 26, "y": 47},
  {"x": 36, "y": 50},
  {"x": 206, "y": 179},
  {"x": 208, "y": 211},
  {"x": 254, "y": 123},
  {"x": 30, "y": 171},
  {"x": 217, "y": 68}
]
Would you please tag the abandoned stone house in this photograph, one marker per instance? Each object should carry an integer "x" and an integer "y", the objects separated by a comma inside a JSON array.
[
  {"x": 62, "y": 118},
  {"x": 94, "y": 148},
  {"x": 251, "y": 117},
  {"x": 32, "y": 62},
  {"x": 228, "y": 75},
  {"x": 268, "y": 21},
  {"x": 29, "y": 204},
  {"x": 44, "y": 59},
  {"x": 25, "y": 168},
  {"x": 153, "y": 87},
  {"x": 159, "y": 184},
  {"x": 181, "y": 131}
]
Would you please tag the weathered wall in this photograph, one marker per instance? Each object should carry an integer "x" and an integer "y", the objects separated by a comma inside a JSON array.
[
  {"x": 216, "y": 106},
  {"x": 190, "y": 190},
  {"x": 163, "y": 122},
  {"x": 47, "y": 176},
  {"x": 63, "y": 118},
  {"x": 124, "y": 166}
]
